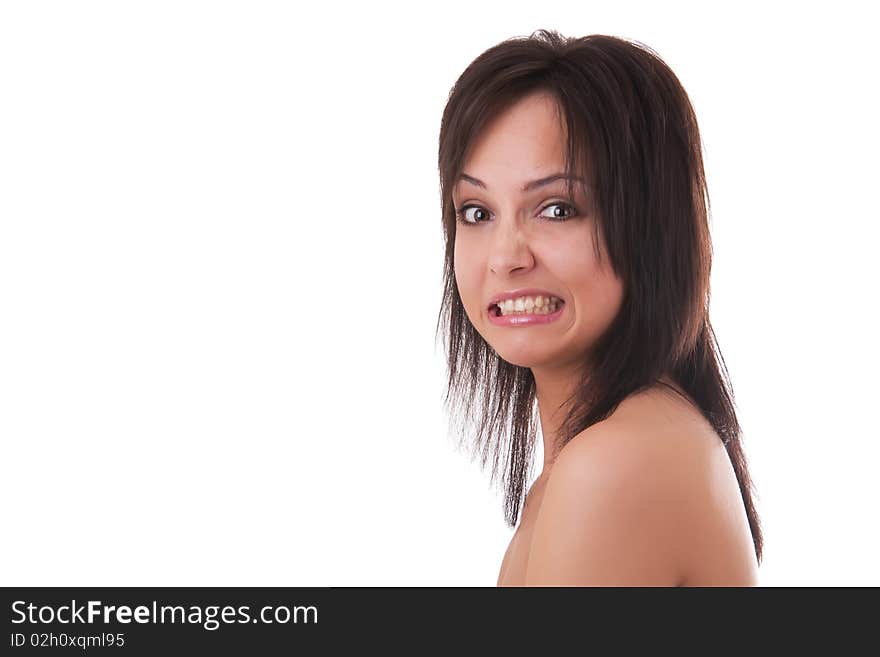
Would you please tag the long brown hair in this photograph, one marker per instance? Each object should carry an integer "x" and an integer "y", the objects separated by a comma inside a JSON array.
[{"x": 631, "y": 128}]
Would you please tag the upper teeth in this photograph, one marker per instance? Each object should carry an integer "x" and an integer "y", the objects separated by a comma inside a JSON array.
[{"x": 539, "y": 304}]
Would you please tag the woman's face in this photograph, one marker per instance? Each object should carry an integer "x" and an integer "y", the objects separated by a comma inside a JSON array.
[{"x": 538, "y": 239}]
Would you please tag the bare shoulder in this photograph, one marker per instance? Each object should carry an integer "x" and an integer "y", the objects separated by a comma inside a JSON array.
[
  {"x": 629, "y": 500},
  {"x": 715, "y": 539}
]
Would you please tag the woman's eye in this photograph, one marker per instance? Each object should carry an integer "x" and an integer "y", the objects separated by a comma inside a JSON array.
[
  {"x": 559, "y": 213},
  {"x": 477, "y": 217}
]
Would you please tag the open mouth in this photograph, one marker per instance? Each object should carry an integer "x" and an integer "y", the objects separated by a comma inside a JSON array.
[{"x": 544, "y": 306}]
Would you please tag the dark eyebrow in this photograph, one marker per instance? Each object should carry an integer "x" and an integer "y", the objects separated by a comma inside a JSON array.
[{"x": 529, "y": 186}]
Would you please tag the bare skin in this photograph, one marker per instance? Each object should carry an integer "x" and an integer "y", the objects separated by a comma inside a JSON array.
[{"x": 717, "y": 551}]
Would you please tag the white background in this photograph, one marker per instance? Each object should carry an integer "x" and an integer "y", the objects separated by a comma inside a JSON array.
[{"x": 220, "y": 265}]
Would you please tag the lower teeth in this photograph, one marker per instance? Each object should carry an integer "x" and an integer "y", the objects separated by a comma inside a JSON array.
[{"x": 550, "y": 310}]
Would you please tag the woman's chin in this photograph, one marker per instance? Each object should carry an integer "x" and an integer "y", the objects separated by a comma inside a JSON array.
[{"x": 522, "y": 357}]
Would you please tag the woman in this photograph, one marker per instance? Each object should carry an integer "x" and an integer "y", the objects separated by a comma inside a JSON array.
[{"x": 577, "y": 264}]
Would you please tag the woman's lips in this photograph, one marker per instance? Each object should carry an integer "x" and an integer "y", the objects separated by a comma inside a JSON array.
[{"x": 523, "y": 319}]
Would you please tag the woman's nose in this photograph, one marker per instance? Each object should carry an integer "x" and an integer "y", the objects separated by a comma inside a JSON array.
[{"x": 509, "y": 249}]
